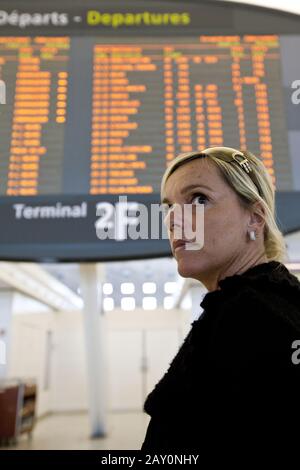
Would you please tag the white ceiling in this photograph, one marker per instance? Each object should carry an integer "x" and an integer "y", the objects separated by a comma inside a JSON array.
[
  {"x": 292, "y": 6},
  {"x": 158, "y": 270}
]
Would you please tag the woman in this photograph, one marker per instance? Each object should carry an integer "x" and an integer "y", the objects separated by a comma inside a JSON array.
[{"x": 236, "y": 380}]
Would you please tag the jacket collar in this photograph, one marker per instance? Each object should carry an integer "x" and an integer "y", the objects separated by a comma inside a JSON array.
[{"x": 263, "y": 277}]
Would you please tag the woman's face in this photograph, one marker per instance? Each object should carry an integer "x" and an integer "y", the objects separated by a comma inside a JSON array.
[{"x": 225, "y": 220}]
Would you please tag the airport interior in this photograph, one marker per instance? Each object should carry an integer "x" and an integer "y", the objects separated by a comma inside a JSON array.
[{"x": 96, "y": 98}]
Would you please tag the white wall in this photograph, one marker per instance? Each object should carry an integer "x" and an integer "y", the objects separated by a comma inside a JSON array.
[
  {"x": 6, "y": 302},
  {"x": 130, "y": 336},
  {"x": 69, "y": 385},
  {"x": 67, "y": 374},
  {"x": 28, "y": 353},
  {"x": 140, "y": 345}
]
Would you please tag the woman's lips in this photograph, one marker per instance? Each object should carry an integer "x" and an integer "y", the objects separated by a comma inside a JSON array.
[{"x": 179, "y": 245}]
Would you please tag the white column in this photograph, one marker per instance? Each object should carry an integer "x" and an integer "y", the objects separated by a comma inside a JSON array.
[
  {"x": 91, "y": 278},
  {"x": 6, "y": 302}
]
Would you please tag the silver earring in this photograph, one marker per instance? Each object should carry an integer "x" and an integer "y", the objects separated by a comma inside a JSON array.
[{"x": 252, "y": 235}]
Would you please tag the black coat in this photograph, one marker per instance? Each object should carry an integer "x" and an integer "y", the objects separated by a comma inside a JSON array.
[{"x": 233, "y": 382}]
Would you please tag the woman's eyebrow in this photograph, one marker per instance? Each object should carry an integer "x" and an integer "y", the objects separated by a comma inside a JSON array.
[
  {"x": 186, "y": 189},
  {"x": 193, "y": 186}
]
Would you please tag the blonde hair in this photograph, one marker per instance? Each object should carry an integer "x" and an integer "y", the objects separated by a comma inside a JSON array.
[{"x": 250, "y": 189}]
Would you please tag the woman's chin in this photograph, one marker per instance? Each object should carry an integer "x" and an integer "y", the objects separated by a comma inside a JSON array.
[{"x": 187, "y": 268}]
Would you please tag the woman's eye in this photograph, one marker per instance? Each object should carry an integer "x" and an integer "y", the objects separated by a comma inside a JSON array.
[{"x": 199, "y": 199}]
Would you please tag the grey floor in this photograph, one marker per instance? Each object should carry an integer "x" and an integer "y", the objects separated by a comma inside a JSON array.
[{"x": 126, "y": 430}]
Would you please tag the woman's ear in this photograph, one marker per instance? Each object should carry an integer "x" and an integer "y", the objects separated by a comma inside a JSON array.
[{"x": 257, "y": 217}]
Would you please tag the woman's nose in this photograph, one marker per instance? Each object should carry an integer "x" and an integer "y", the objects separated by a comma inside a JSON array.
[{"x": 174, "y": 217}]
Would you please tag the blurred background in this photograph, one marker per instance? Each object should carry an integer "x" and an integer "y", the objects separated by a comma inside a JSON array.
[{"x": 95, "y": 99}]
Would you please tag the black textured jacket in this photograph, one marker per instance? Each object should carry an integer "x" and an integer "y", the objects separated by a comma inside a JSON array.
[{"x": 234, "y": 382}]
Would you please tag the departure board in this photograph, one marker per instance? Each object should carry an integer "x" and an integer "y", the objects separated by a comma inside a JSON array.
[
  {"x": 149, "y": 102},
  {"x": 98, "y": 102}
]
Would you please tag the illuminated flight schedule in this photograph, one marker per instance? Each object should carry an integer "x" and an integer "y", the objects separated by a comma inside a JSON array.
[{"x": 146, "y": 102}]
